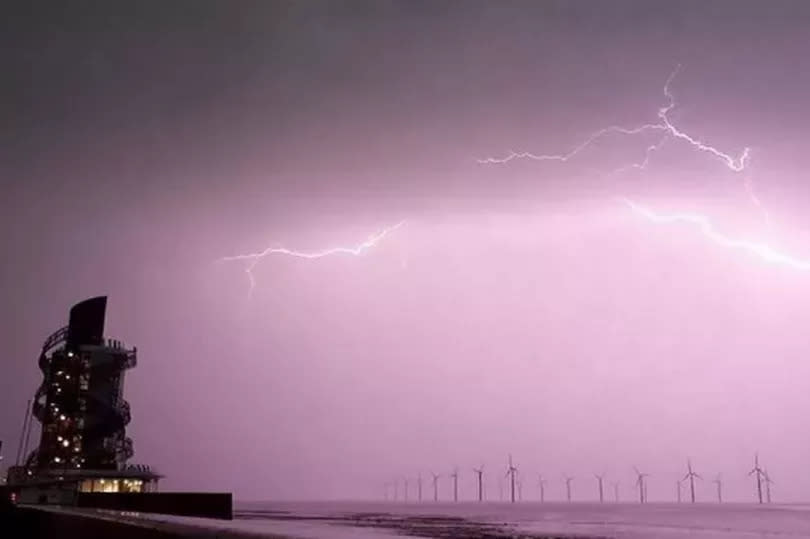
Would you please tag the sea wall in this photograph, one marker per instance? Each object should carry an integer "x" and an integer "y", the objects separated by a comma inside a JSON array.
[{"x": 189, "y": 504}]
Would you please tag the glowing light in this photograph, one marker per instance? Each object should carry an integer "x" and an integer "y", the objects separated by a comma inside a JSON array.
[
  {"x": 57, "y": 459},
  {"x": 62, "y": 417},
  {"x": 356, "y": 250},
  {"x": 705, "y": 226},
  {"x": 65, "y": 443}
]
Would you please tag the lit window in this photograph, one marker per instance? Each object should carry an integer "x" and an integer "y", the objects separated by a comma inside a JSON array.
[
  {"x": 65, "y": 443},
  {"x": 58, "y": 438},
  {"x": 62, "y": 417},
  {"x": 67, "y": 376},
  {"x": 57, "y": 459}
]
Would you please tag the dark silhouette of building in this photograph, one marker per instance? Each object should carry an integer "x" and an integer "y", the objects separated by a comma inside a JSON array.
[{"x": 83, "y": 445}]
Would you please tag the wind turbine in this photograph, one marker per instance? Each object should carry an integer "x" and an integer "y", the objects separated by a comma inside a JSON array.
[
  {"x": 454, "y": 475},
  {"x": 511, "y": 471},
  {"x": 758, "y": 471},
  {"x": 568, "y": 480},
  {"x": 435, "y": 486},
  {"x": 616, "y": 492},
  {"x": 678, "y": 486},
  {"x": 520, "y": 489},
  {"x": 480, "y": 473},
  {"x": 600, "y": 479},
  {"x": 690, "y": 475},
  {"x": 542, "y": 484},
  {"x": 767, "y": 486},
  {"x": 396, "y": 490},
  {"x": 419, "y": 486},
  {"x": 719, "y": 482},
  {"x": 405, "y": 480},
  {"x": 640, "y": 484}
]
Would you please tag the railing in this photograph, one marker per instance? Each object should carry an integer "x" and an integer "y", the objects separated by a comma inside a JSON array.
[{"x": 56, "y": 338}]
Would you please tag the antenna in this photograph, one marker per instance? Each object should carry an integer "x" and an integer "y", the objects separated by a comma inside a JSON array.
[
  {"x": 691, "y": 475},
  {"x": 568, "y": 480},
  {"x": 759, "y": 473},
  {"x": 22, "y": 434},
  {"x": 480, "y": 473},
  {"x": 642, "y": 490},
  {"x": 600, "y": 479}
]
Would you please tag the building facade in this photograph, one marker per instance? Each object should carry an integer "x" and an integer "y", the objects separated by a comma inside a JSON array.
[{"x": 81, "y": 408}]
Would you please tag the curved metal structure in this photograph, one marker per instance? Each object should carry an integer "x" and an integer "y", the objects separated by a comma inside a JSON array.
[{"x": 80, "y": 402}]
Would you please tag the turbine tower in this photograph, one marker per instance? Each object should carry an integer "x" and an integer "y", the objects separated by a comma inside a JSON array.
[
  {"x": 396, "y": 490},
  {"x": 642, "y": 491},
  {"x": 541, "y": 483},
  {"x": 767, "y": 486},
  {"x": 568, "y": 480},
  {"x": 758, "y": 471},
  {"x": 510, "y": 472},
  {"x": 719, "y": 482},
  {"x": 678, "y": 486},
  {"x": 405, "y": 481},
  {"x": 454, "y": 475},
  {"x": 419, "y": 486},
  {"x": 691, "y": 475},
  {"x": 435, "y": 486},
  {"x": 616, "y": 492},
  {"x": 480, "y": 473},
  {"x": 600, "y": 479},
  {"x": 520, "y": 489}
]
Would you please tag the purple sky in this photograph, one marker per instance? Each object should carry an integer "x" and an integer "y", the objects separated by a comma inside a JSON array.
[{"x": 521, "y": 309}]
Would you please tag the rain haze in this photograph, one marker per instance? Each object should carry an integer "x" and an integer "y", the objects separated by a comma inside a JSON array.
[{"x": 522, "y": 307}]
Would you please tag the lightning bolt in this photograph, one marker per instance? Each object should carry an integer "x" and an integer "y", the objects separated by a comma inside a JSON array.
[
  {"x": 356, "y": 250},
  {"x": 664, "y": 125},
  {"x": 669, "y": 130},
  {"x": 707, "y": 228}
]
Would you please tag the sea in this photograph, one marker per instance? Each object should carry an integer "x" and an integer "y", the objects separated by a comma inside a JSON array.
[{"x": 380, "y": 520}]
